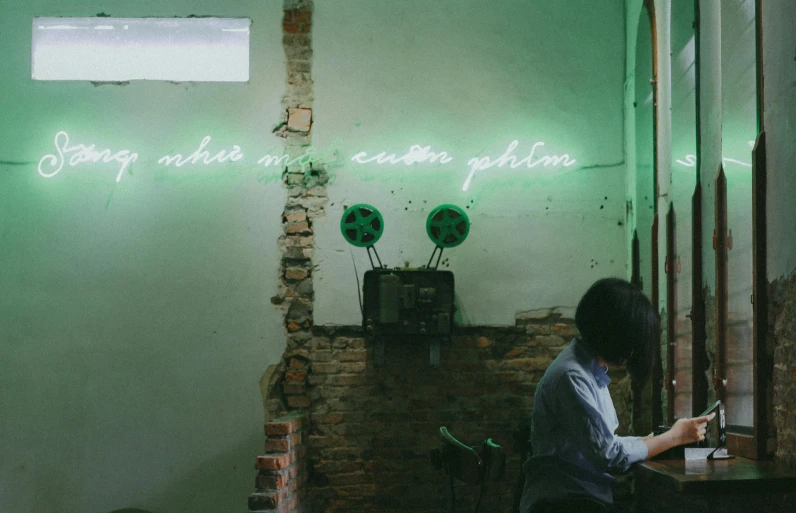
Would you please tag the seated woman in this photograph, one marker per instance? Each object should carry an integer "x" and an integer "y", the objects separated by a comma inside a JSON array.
[{"x": 573, "y": 419}]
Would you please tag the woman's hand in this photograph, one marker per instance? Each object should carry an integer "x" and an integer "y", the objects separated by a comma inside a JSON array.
[
  {"x": 688, "y": 431},
  {"x": 684, "y": 431}
]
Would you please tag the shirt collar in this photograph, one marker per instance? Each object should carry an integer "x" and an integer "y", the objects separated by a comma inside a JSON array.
[{"x": 600, "y": 372}]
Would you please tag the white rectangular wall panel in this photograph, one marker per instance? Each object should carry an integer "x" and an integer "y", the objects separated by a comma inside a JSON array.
[{"x": 122, "y": 49}]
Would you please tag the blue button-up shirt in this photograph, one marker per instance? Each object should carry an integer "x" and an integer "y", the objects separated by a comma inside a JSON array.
[{"x": 572, "y": 433}]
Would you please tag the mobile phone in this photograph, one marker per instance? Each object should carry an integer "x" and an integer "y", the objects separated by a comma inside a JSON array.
[{"x": 714, "y": 406}]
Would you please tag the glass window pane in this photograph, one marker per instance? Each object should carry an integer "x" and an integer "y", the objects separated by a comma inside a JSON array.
[{"x": 739, "y": 129}]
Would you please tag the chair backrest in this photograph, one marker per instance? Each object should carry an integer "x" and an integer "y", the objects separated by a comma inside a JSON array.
[{"x": 462, "y": 461}]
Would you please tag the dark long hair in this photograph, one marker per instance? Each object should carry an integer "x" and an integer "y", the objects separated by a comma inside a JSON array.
[{"x": 617, "y": 321}]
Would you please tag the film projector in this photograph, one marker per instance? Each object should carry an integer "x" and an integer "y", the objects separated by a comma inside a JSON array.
[{"x": 406, "y": 302}]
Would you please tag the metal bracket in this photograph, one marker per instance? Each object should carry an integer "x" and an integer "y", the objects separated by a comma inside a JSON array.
[
  {"x": 380, "y": 266},
  {"x": 439, "y": 256}
]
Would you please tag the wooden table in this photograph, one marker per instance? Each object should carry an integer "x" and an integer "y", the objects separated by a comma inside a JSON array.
[{"x": 735, "y": 485}]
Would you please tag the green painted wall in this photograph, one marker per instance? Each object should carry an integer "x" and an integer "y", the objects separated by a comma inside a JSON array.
[
  {"x": 469, "y": 77},
  {"x": 135, "y": 318}
]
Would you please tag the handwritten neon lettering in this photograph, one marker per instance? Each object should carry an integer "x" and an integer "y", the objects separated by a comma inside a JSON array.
[
  {"x": 73, "y": 155},
  {"x": 202, "y": 156},
  {"x": 52, "y": 164},
  {"x": 306, "y": 160},
  {"x": 269, "y": 160},
  {"x": 508, "y": 159},
  {"x": 728, "y": 160},
  {"x": 690, "y": 161},
  {"x": 416, "y": 154}
]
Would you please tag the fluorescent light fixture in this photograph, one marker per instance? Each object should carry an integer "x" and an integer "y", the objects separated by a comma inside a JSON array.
[{"x": 122, "y": 49}]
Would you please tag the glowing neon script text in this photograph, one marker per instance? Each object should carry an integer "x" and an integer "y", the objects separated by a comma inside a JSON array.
[
  {"x": 416, "y": 153},
  {"x": 202, "y": 156},
  {"x": 306, "y": 160},
  {"x": 690, "y": 161},
  {"x": 531, "y": 161},
  {"x": 81, "y": 153}
]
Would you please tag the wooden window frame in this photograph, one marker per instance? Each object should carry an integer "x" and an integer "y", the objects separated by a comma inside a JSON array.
[
  {"x": 657, "y": 371},
  {"x": 699, "y": 356},
  {"x": 671, "y": 307}
]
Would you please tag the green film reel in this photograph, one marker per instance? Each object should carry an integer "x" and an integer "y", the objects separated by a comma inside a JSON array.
[
  {"x": 362, "y": 225},
  {"x": 447, "y": 226}
]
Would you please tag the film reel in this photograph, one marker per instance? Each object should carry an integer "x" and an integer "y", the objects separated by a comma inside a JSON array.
[
  {"x": 362, "y": 225},
  {"x": 447, "y": 226}
]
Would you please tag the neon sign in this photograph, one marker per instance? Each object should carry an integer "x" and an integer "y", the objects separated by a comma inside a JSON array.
[
  {"x": 306, "y": 160},
  {"x": 81, "y": 153},
  {"x": 201, "y": 155},
  {"x": 416, "y": 154},
  {"x": 690, "y": 161},
  {"x": 530, "y": 161},
  {"x": 52, "y": 164}
]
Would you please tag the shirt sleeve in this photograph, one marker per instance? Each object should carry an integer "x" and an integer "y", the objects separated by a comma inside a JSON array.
[{"x": 576, "y": 408}]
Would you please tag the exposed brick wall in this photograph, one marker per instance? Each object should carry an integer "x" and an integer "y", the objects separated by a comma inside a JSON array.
[
  {"x": 372, "y": 429},
  {"x": 782, "y": 312},
  {"x": 282, "y": 469},
  {"x": 281, "y": 481}
]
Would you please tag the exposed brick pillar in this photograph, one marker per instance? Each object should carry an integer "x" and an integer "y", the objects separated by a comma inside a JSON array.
[
  {"x": 282, "y": 469},
  {"x": 306, "y": 186}
]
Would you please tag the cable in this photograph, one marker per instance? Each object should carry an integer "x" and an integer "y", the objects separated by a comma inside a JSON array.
[{"x": 356, "y": 275}]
